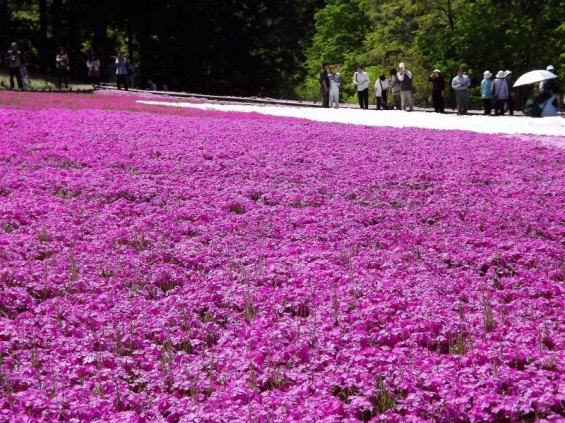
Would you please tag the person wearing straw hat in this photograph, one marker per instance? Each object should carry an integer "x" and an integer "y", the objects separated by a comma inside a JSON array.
[
  {"x": 438, "y": 91},
  {"x": 486, "y": 87},
  {"x": 499, "y": 93}
]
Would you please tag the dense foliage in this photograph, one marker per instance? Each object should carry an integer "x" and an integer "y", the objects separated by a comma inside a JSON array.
[
  {"x": 211, "y": 46},
  {"x": 206, "y": 266},
  {"x": 272, "y": 48},
  {"x": 426, "y": 34}
]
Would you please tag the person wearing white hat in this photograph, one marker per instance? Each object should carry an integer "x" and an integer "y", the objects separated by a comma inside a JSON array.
[
  {"x": 406, "y": 88},
  {"x": 499, "y": 93},
  {"x": 460, "y": 84},
  {"x": 550, "y": 86},
  {"x": 438, "y": 91},
  {"x": 486, "y": 87}
]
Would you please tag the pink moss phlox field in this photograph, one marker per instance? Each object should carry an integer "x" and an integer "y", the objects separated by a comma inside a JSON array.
[{"x": 225, "y": 267}]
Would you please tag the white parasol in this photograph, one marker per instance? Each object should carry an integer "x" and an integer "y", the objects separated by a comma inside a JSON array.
[{"x": 533, "y": 77}]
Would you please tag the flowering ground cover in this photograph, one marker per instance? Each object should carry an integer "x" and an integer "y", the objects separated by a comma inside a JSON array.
[{"x": 206, "y": 266}]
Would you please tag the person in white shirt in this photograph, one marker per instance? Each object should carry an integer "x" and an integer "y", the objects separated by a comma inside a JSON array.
[
  {"x": 335, "y": 83},
  {"x": 381, "y": 92},
  {"x": 460, "y": 85},
  {"x": 361, "y": 81}
]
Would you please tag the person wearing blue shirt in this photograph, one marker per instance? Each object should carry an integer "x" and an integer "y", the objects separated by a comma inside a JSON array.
[
  {"x": 121, "y": 71},
  {"x": 486, "y": 88}
]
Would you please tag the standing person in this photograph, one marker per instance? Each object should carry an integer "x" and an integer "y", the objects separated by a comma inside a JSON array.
[
  {"x": 508, "y": 78},
  {"x": 438, "y": 91},
  {"x": 93, "y": 65},
  {"x": 335, "y": 83},
  {"x": 121, "y": 71},
  {"x": 361, "y": 81},
  {"x": 324, "y": 80},
  {"x": 62, "y": 60},
  {"x": 405, "y": 78},
  {"x": 395, "y": 89},
  {"x": 499, "y": 93},
  {"x": 486, "y": 88},
  {"x": 551, "y": 87},
  {"x": 15, "y": 61},
  {"x": 381, "y": 92},
  {"x": 460, "y": 85},
  {"x": 130, "y": 74}
]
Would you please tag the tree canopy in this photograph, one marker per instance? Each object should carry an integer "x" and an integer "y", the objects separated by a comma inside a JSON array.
[
  {"x": 519, "y": 35},
  {"x": 273, "y": 48},
  {"x": 212, "y": 46}
]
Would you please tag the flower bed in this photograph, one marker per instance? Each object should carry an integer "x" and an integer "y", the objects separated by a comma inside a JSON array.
[{"x": 206, "y": 266}]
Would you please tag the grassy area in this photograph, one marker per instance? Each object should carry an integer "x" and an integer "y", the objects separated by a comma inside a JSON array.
[{"x": 41, "y": 82}]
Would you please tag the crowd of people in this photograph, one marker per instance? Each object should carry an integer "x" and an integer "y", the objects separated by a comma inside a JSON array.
[
  {"x": 496, "y": 94},
  {"x": 122, "y": 68}
]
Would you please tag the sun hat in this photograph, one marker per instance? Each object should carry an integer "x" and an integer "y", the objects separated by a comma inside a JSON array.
[
  {"x": 401, "y": 65},
  {"x": 507, "y": 72},
  {"x": 500, "y": 74},
  {"x": 487, "y": 74},
  {"x": 550, "y": 68},
  {"x": 437, "y": 70}
]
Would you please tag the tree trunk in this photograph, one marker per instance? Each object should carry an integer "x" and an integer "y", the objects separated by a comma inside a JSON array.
[
  {"x": 5, "y": 25},
  {"x": 75, "y": 54},
  {"x": 43, "y": 58},
  {"x": 57, "y": 11}
]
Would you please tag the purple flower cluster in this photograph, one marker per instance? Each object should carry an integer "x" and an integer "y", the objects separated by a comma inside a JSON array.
[{"x": 158, "y": 267}]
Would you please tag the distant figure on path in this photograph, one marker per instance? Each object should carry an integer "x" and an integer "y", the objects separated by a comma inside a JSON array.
[
  {"x": 131, "y": 74},
  {"x": 335, "y": 84},
  {"x": 62, "y": 60},
  {"x": 93, "y": 65},
  {"x": 381, "y": 92},
  {"x": 395, "y": 89},
  {"x": 551, "y": 87},
  {"x": 438, "y": 91},
  {"x": 121, "y": 71},
  {"x": 361, "y": 81},
  {"x": 15, "y": 61},
  {"x": 460, "y": 84},
  {"x": 486, "y": 88},
  {"x": 406, "y": 87},
  {"x": 508, "y": 77},
  {"x": 324, "y": 80},
  {"x": 151, "y": 85},
  {"x": 499, "y": 93}
]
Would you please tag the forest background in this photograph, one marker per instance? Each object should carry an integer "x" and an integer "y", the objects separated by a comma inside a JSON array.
[{"x": 275, "y": 49}]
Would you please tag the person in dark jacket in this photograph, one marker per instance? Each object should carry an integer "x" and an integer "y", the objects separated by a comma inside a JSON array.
[
  {"x": 15, "y": 61},
  {"x": 438, "y": 91},
  {"x": 325, "y": 85}
]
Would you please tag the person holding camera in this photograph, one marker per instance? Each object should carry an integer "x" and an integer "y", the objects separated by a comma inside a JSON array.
[
  {"x": 62, "y": 61},
  {"x": 122, "y": 71},
  {"x": 15, "y": 61}
]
